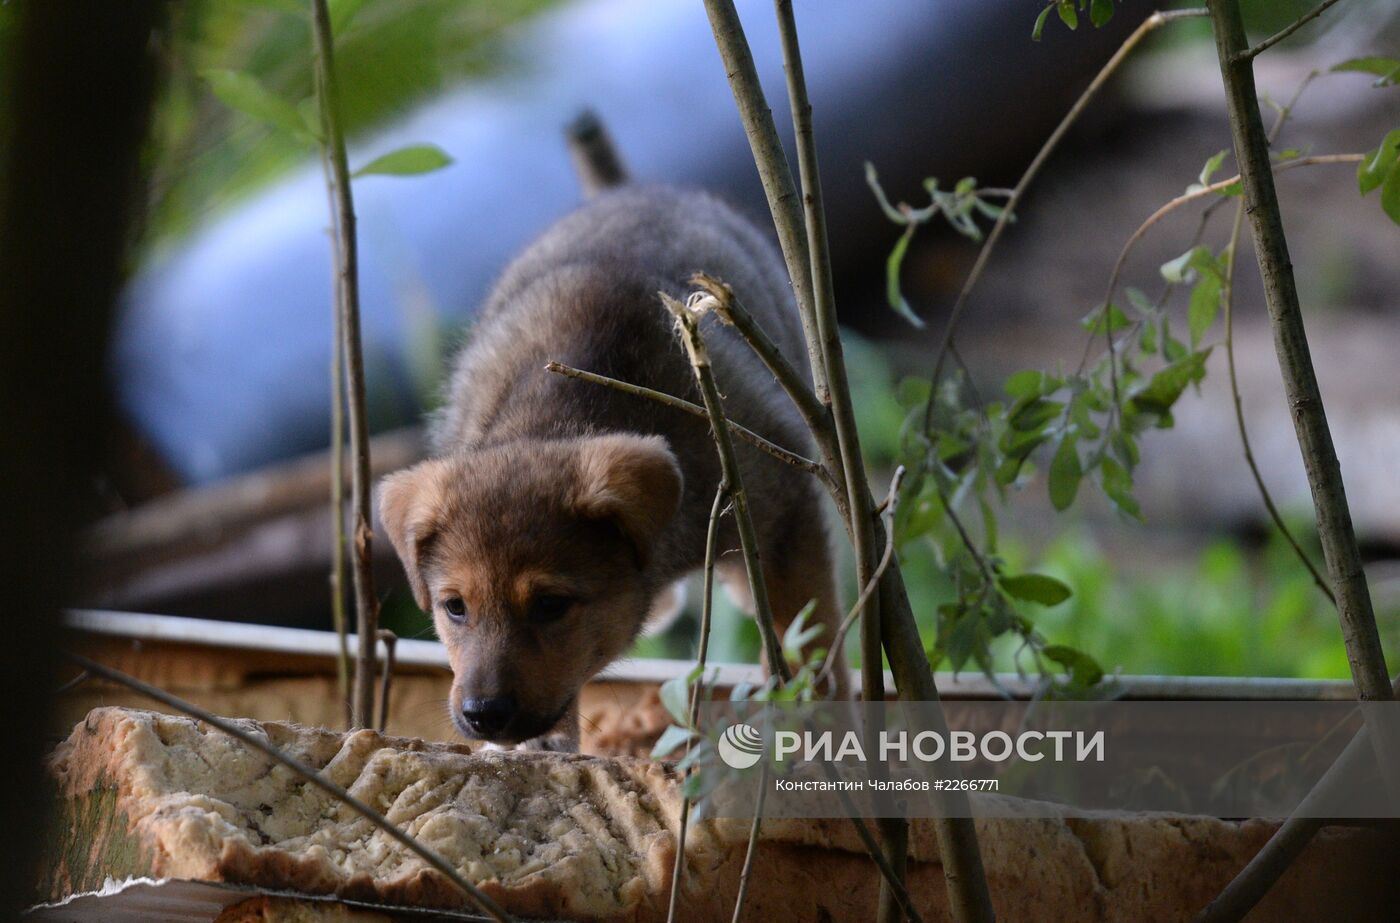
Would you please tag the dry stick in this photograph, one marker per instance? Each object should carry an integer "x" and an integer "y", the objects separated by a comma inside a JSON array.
[
  {"x": 1343, "y": 558},
  {"x": 1289, "y": 841},
  {"x": 730, "y": 310},
  {"x": 887, "y": 511},
  {"x": 1149, "y": 24},
  {"x": 488, "y": 906},
  {"x": 702, "y": 654},
  {"x": 1229, "y": 343},
  {"x": 1232, "y": 251},
  {"x": 773, "y": 172},
  {"x": 898, "y": 632},
  {"x": 1271, "y": 41},
  {"x": 338, "y": 482},
  {"x": 688, "y": 325},
  {"x": 752, "y": 850},
  {"x": 348, "y": 290},
  {"x": 391, "y": 641},
  {"x": 894, "y": 831},
  {"x": 670, "y": 400}
]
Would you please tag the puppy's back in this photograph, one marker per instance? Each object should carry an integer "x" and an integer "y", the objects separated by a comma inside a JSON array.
[{"x": 585, "y": 294}]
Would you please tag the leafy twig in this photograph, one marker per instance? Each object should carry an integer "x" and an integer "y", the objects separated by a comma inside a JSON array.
[
  {"x": 670, "y": 400},
  {"x": 1156, "y": 20},
  {"x": 348, "y": 297},
  {"x": 487, "y": 905}
]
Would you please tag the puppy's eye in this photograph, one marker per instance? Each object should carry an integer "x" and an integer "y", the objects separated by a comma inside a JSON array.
[
  {"x": 456, "y": 608},
  {"x": 549, "y": 607}
]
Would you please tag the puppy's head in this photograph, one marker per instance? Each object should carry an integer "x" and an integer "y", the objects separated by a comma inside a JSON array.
[{"x": 533, "y": 559}]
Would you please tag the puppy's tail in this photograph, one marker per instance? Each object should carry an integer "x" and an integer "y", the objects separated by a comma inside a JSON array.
[{"x": 595, "y": 158}]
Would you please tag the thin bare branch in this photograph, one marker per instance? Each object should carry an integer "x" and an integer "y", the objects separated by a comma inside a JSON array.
[
  {"x": 730, "y": 310},
  {"x": 339, "y": 543},
  {"x": 391, "y": 642},
  {"x": 1334, "y": 526},
  {"x": 695, "y": 410},
  {"x": 702, "y": 654},
  {"x": 688, "y": 326},
  {"x": 488, "y": 906},
  {"x": 745, "y": 876},
  {"x": 887, "y": 510},
  {"x": 348, "y": 297},
  {"x": 773, "y": 172},
  {"x": 1148, "y": 25},
  {"x": 1228, "y": 297},
  {"x": 1283, "y": 33}
]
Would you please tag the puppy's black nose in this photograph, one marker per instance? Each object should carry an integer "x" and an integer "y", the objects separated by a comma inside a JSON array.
[{"x": 488, "y": 717}]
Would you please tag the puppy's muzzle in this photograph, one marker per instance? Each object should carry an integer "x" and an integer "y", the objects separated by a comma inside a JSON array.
[{"x": 488, "y": 718}]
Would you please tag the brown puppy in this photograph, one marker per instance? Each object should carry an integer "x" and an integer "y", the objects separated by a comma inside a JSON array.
[{"x": 556, "y": 515}]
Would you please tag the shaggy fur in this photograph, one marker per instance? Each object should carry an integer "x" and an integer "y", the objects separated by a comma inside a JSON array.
[{"x": 546, "y": 486}]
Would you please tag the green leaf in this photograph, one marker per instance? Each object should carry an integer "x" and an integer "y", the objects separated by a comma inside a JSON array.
[
  {"x": 799, "y": 634},
  {"x": 892, "y": 289},
  {"x": 1390, "y": 194},
  {"x": 1162, "y": 391},
  {"x": 1082, "y": 668},
  {"x": 1065, "y": 473},
  {"x": 244, "y": 93},
  {"x": 671, "y": 739},
  {"x": 413, "y": 160},
  {"x": 1036, "y": 588},
  {"x": 1040, "y": 23},
  {"x": 1378, "y": 163},
  {"x": 1207, "y": 171},
  {"x": 1116, "y": 319},
  {"x": 342, "y": 11},
  {"x": 1027, "y": 383},
  {"x": 1387, "y": 69},
  {"x": 1067, "y": 13},
  {"x": 1205, "y": 306},
  {"x": 1034, "y": 414},
  {"x": 675, "y": 696},
  {"x": 1100, "y": 12},
  {"x": 961, "y": 640}
]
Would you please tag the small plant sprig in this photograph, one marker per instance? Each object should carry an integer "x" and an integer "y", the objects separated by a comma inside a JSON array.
[{"x": 959, "y": 206}]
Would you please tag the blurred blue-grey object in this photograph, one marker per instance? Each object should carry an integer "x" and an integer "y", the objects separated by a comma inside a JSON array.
[{"x": 223, "y": 345}]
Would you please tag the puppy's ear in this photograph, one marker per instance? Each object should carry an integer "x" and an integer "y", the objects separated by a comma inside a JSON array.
[
  {"x": 632, "y": 480},
  {"x": 410, "y": 504}
]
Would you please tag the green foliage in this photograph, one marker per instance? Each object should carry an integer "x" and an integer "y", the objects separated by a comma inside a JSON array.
[
  {"x": 960, "y": 207},
  {"x": 1387, "y": 70},
  {"x": 1100, "y": 13},
  {"x": 1381, "y": 168},
  {"x": 245, "y": 93},
  {"x": 209, "y": 151},
  {"x": 413, "y": 160}
]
